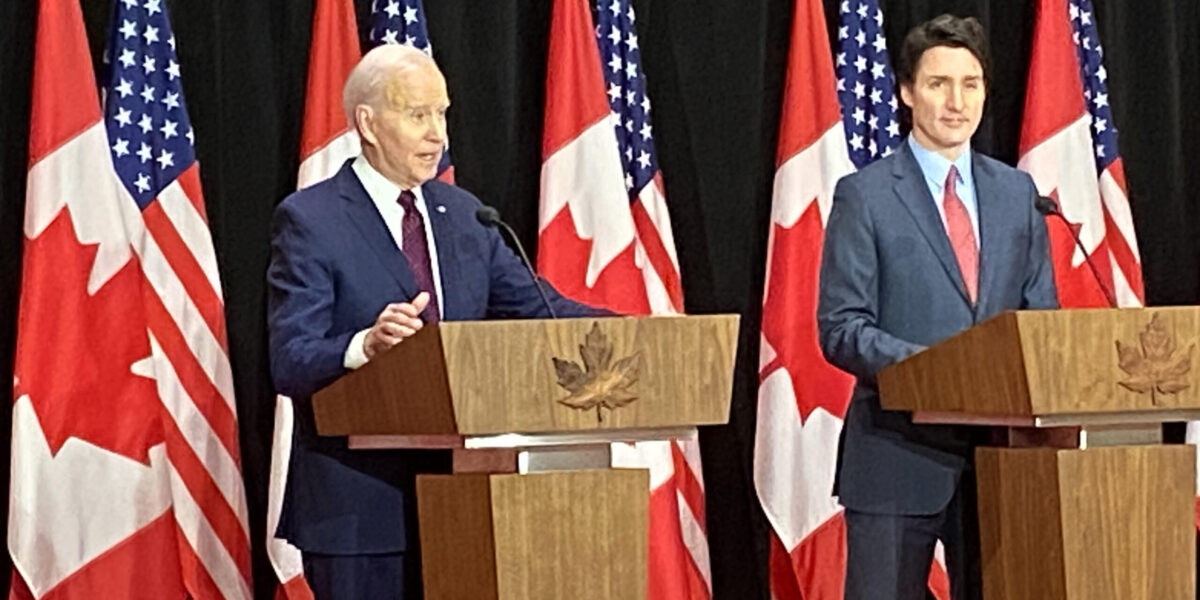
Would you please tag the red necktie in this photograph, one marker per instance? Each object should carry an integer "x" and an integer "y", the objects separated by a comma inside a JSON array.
[
  {"x": 962, "y": 235},
  {"x": 416, "y": 250}
]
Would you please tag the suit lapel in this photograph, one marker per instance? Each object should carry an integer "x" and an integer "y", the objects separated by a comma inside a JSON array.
[
  {"x": 443, "y": 239},
  {"x": 910, "y": 187},
  {"x": 370, "y": 224},
  {"x": 988, "y": 198}
]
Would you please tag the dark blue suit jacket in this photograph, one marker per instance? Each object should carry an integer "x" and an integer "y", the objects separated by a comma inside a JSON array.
[
  {"x": 890, "y": 286},
  {"x": 334, "y": 267}
]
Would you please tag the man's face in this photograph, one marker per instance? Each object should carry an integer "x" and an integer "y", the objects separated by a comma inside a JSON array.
[
  {"x": 409, "y": 132},
  {"x": 946, "y": 97}
]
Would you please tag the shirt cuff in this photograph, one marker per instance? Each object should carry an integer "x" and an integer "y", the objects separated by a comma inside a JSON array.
[{"x": 356, "y": 355}]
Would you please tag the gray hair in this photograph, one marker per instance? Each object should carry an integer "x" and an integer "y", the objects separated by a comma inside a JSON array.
[{"x": 367, "y": 81}]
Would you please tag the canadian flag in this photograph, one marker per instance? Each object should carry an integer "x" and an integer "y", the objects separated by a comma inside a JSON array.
[
  {"x": 802, "y": 399},
  {"x": 126, "y": 474},
  {"x": 1069, "y": 147},
  {"x": 605, "y": 238},
  {"x": 326, "y": 142}
]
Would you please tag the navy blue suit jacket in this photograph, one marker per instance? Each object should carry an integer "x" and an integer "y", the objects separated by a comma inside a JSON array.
[
  {"x": 334, "y": 267},
  {"x": 890, "y": 286}
]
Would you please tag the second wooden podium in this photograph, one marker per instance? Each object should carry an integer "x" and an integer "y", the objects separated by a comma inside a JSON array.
[
  {"x": 531, "y": 410},
  {"x": 1079, "y": 500}
]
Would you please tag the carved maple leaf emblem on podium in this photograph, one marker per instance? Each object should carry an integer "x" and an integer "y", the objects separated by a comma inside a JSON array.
[
  {"x": 599, "y": 383},
  {"x": 1155, "y": 365}
]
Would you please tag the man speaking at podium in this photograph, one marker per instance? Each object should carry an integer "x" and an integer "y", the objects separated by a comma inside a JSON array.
[
  {"x": 359, "y": 262},
  {"x": 919, "y": 246}
]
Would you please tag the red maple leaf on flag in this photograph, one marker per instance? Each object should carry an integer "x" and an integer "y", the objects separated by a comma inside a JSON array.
[
  {"x": 789, "y": 319},
  {"x": 77, "y": 371}
]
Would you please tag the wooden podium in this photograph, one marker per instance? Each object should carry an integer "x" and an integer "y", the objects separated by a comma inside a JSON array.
[
  {"x": 1083, "y": 502},
  {"x": 531, "y": 409}
]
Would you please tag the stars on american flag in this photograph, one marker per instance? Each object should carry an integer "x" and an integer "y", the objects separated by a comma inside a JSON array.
[
  {"x": 865, "y": 85},
  {"x": 399, "y": 22},
  {"x": 617, "y": 39},
  {"x": 1095, "y": 77},
  {"x": 152, "y": 141}
]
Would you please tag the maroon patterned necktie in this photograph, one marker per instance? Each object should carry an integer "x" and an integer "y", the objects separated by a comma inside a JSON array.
[
  {"x": 962, "y": 235},
  {"x": 416, "y": 250}
]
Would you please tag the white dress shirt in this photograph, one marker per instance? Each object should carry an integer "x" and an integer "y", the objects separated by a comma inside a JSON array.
[{"x": 385, "y": 195}]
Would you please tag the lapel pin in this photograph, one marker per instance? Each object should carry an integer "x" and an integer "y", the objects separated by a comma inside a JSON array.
[{"x": 441, "y": 209}]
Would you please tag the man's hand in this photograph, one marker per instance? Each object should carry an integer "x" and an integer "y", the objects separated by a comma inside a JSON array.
[{"x": 397, "y": 321}]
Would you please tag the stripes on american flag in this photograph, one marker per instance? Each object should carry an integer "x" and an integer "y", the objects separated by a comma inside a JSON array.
[
  {"x": 152, "y": 150},
  {"x": 679, "y": 566}
]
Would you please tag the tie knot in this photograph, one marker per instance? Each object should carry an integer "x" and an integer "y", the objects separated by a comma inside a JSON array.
[
  {"x": 408, "y": 200},
  {"x": 952, "y": 180}
]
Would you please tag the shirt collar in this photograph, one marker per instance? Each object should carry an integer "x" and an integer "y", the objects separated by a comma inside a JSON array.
[
  {"x": 935, "y": 167},
  {"x": 381, "y": 189}
]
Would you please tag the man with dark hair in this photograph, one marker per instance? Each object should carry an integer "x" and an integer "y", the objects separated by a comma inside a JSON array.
[{"x": 919, "y": 246}]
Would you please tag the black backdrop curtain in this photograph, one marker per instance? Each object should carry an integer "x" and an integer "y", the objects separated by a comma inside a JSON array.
[{"x": 715, "y": 71}]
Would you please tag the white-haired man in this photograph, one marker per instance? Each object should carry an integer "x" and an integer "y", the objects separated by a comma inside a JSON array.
[{"x": 359, "y": 262}]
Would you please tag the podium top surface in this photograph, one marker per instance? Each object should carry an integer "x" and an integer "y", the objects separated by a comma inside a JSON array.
[
  {"x": 481, "y": 378},
  {"x": 1056, "y": 366}
]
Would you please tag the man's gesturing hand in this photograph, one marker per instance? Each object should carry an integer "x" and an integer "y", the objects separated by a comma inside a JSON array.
[{"x": 397, "y": 321}]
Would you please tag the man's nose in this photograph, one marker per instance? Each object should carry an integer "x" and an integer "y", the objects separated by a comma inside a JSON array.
[
  {"x": 954, "y": 99},
  {"x": 438, "y": 130}
]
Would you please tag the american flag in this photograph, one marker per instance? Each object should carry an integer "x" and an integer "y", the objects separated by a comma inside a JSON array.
[
  {"x": 1095, "y": 89},
  {"x": 839, "y": 113},
  {"x": 626, "y": 92},
  {"x": 674, "y": 574},
  {"x": 403, "y": 22},
  {"x": 627, "y": 97},
  {"x": 127, "y": 482},
  {"x": 399, "y": 22},
  {"x": 865, "y": 83},
  {"x": 605, "y": 238},
  {"x": 152, "y": 147},
  {"x": 145, "y": 114}
]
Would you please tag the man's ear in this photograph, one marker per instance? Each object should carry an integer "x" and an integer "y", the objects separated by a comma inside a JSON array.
[
  {"x": 364, "y": 122},
  {"x": 906, "y": 94}
]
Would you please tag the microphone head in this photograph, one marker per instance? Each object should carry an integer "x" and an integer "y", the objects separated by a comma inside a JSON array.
[
  {"x": 1046, "y": 205},
  {"x": 488, "y": 216}
]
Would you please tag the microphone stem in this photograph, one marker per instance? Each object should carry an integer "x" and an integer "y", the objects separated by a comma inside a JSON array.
[
  {"x": 1087, "y": 258},
  {"x": 537, "y": 281}
]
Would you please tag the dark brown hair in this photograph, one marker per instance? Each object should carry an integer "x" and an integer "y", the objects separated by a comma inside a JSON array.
[{"x": 945, "y": 30}]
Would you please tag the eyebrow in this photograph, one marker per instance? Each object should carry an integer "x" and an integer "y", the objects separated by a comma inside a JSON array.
[{"x": 948, "y": 78}]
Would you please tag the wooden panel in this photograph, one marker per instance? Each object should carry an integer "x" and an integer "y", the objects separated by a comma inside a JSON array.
[
  {"x": 979, "y": 371},
  {"x": 1020, "y": 530},
  {"x": 503, "y": 376},
  {"x": 578, "y": 534},
  {"x": 457, "y": 547},
  {"x": 1054, "y": 363},
  {"x": 401, "y": 391},
  {"x": 1073, "y": 363},
  {"x": 1110, "y": 523},
  {"x": 1128, "y": 522}
]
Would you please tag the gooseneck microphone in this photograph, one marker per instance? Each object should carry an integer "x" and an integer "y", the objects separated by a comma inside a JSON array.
[
  {"x": 490, "y": 217},
  {"x": 1048, "y": 207}
]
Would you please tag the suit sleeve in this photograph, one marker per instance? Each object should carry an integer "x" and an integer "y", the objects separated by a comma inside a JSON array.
[
  {"x": 512, "y": 292},
  {"x": 1040, "y": 290},
  {"x": 848, "y": 304},
  {"x": 305, "y": 356}
]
